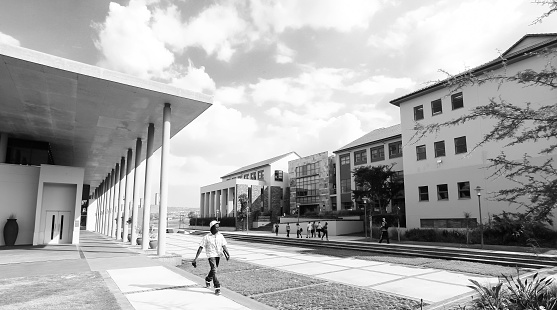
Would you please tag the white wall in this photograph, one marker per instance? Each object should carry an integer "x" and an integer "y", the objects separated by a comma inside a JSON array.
[{"x": 18, "y": 189}]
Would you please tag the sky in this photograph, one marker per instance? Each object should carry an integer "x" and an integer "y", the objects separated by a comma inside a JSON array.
[{"x": 292, "y": 75}]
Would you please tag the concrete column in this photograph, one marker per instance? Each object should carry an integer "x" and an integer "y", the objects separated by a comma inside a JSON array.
[
  {"x": 127, "y": 199},
  {"x": 163, "y": 204},
  {"x": 147, "y": 189},
  {"x": 117, "y": 204},
  {"x": 207, "y": 204},
  {"x": 111, "y": 205},
  {"x": 135, "y": 201},
  {"x": 217, "y": 203},
  {"x": 3, "y": 147},
  {"x": 229, "y": 200},
  {"x": 104, "y": 194},
  {"x": 223, "y": 200},
  {"x": 201, "y": 204},
  {"x": 96, "y": 196}
]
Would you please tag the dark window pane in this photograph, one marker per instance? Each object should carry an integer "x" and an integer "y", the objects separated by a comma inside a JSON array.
[
  {"x": 457, "y": 101},
  {"x": 436, "y": 107},
  {"x": 460, "y": 145},
  {"x": 439, "y": 148},
  {"x": 420, "y": 152},
  {"x": 418, "y": 112}
]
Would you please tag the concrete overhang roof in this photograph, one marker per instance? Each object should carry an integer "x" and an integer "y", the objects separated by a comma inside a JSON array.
[{"x": 89, "y": 115}]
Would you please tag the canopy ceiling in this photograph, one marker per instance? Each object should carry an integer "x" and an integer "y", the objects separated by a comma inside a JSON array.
[{"x": 89, "y": 115}]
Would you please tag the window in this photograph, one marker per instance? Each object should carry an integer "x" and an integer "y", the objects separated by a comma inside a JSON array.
[
  {"x": 345, "y": 186},
  {"x": 442, "y": 192},
  {"x": 252, "y": 175},
  {"x": 395, "y": 149},
  {"x": 439, "y": 147},
  {"x": 420, "y": 152},
  {"x": 345, "y": 160},
  {"x": 278, "y": 175},
  {"x": 463, "y": 190},
  {"x": 246, "y": 176},
  {"x": 308, "y": 186},
  {"x": 423, "y": 193},
  {"x": 436, "y": 107},
  {"x": 419, "y": 112},
  {"x": 449, "y": 223},
  {"x": 377, "y": 153},
  {"x": 360, "y": 157},
  {"x": 260, "y": 175},
  {"x": 457, "y": 101},
  {"x": 307, "y": 169},
  {"x": 460, "y": 145}
]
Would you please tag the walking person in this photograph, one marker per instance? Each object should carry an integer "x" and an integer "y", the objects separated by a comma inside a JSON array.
[
  {"x": 276, "y": 228},
  {"x": 308, "y": 231},
  {"x": 287, "y": 230},
  {"x": 313, "y": 229},
  {"x": 319, "y": 228},
  {"x": 384, "y": 231},
  {"x": 215, "y": 246},
  {"x": 324, "y": 232},
  {"x": 298, "y": 231}
]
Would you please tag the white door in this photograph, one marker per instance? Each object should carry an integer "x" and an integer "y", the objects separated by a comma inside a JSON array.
[{"x": 57, "y": 228}]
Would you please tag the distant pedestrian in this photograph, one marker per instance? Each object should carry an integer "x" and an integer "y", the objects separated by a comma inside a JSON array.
[
  {"x": 324, "y": 232},
  {"x": 308, "y": 231},
  {"x": 313, "y": 229},
  {"x": 319, "y": 228},
  {"x": 215, "y": 246},
  {"x": 276, "y": 228},
  {"x": 287, "y": 230},
  {"x": 384, "y": 231},
  {"x": 298, "y": 231}
]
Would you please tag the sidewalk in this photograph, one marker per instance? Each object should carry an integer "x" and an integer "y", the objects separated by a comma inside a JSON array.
[{"x": 136, "y": 280}]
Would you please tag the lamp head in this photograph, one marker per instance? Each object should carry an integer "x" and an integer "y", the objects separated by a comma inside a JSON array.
[{"x": 479, "y": 190}]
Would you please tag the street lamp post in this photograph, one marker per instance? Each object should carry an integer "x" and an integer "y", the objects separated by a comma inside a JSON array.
[
  {"x": 247, "y": 223},
  {"x": 479, "y": 192},
  {"x": 298, "y": 211},
  {"x": 365, "y": 199}
]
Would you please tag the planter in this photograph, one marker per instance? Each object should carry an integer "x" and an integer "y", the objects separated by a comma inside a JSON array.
[
  {"x": 139, "y": 241},
  {"x": 11, "y": 229},
  {"x": 153, "y": 244}
]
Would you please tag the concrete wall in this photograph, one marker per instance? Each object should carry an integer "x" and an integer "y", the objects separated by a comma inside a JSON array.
[
  {"x": 18, "y": 189},
  {"x": 335, "y": 227}
]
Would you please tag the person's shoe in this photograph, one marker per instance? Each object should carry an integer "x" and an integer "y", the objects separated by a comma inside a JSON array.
[
  {"x": 217, "y": 291},
  {"x": 207, "y": 284}
]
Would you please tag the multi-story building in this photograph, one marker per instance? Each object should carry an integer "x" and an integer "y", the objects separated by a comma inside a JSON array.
[
  {"x": 264, "y": 184},
  {"x": 310, "y": 183},
  {"x": 441, "y": 170},
  {"x": 382, "y": 146}
]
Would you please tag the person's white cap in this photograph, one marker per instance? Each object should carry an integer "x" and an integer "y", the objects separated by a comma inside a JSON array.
[{"x": 213, "y": 223}]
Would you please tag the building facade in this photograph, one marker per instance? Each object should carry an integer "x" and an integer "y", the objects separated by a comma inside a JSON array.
[
  {"x": 264, "y": 184},
  {"x": 442, "y": 170},
  {"x": 382, "y": 146},
  {"x": 310, "y": 184}
]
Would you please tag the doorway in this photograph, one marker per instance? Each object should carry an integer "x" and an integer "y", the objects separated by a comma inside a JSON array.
[{"x": 57, "y": 228}]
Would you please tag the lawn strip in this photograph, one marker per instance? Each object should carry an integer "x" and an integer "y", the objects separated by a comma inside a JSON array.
[{"x": 69, "y": 291}]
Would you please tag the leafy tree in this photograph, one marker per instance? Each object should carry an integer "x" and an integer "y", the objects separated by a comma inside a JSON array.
[
  {"x": 243, "y": 200},
  {"x": 516, "y": 123},
  {"x": 379, "y": 183}
]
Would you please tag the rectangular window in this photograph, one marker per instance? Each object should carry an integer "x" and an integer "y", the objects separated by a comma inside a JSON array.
[
  {"x": 460, "y": 145},
  {"x": 360, "y": 157},
  {"x": 345, "y": 186},
  {"x": 442, "y": 192},
  {"x": 457, "y": 101},
  {"x": 246, "y": 176},
  {"x": 424, "y": 193},
  {"x": 278, "y": 175},
  {"x": 463, "y": 190},
  {"x": 436, "y": 107},
  {"x": 419, "y": 112},
  {"x": 377, "y": 153},
  {"x": 252, "y": 175},
  {"x": 420, "y": 152},
  {"x": 344, "y": 160},
  {"x": 395, "y": 149},
  {"x": 439, "y": 147},
  {"x": 260, "y": 175}
]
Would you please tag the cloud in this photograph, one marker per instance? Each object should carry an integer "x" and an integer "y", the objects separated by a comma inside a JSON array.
[
  {"x": 230, "y": 96},
  {"x": 278, "y": 16},
  {"x": 129, "y": 45},
  {"x": 380, "y": 85},
  {"x": 7, "y": 39},
  {"x": 194, "y": 79},
  {"x": 284, "y": 54}
]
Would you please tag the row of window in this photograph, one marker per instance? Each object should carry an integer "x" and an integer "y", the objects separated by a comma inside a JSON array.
[
  {"x": 259, "y": 175},
  {"x": 377, "y": 154},
  {"x": 308, "y": 169},
  {"x": 457, "y": 102},
  {"x": 449, "y": 223},
  {"x": 443, "y": 191},
  {"x": 439, "y": 148}
]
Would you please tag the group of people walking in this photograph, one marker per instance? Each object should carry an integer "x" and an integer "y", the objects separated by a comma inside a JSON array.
[{"x": 312, "y": 230}]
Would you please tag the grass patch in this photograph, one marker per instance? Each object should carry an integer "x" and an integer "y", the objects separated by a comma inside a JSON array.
[
  {"x": 334, "y": 296},
  {"x": 68, "y": 291}
]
